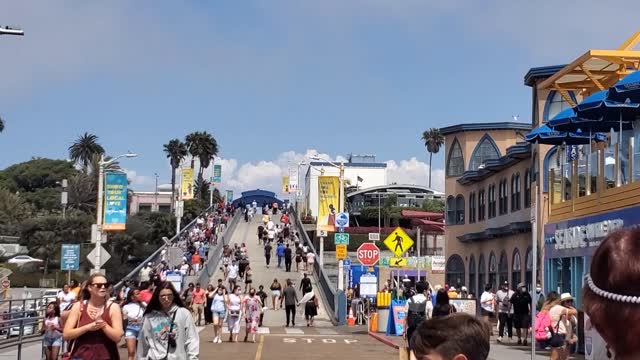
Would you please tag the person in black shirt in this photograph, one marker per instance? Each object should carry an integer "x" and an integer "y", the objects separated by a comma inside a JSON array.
[
  {"x": 260, "y": 233},
  {"x": 263, "y": 297},
  {"x": 288, "y": 257},
  {"x": 521, "y": 302},
  {"x": 305, "y": 284},
  {"x": 267, "y": 253},
  {"x": 442, "y": 307}
]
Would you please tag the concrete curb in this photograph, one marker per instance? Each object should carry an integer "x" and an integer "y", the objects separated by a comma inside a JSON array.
[{"x": 384, "y": 340}]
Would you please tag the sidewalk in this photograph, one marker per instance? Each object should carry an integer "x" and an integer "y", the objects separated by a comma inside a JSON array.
[{"x": 504, "y": 351}]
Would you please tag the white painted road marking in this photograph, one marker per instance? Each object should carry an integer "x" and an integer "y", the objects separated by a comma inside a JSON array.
[
  {"x": 310, "y": 340},
  {"x": 326, "y": 331},
  {"x": 293, "y": 331}
]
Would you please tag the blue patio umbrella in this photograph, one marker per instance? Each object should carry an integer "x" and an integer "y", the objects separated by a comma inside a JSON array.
[
  {"x": 627, "y": 89},
  {"x": 546, "y": 135},
  {"x": 568, "y": 120},
  {"x": 598, "y": 107}
]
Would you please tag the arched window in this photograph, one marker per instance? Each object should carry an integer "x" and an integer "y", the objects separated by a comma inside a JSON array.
[
  {"x": 455, "y": 162},
  {"x": 503, "y": 197},
  {"x": 515, "y": 192},
  {"x": 472, "y": 207},
  {"x": 529, "y": 269},
  {"x": 482, "y": 275},
  {"x": 486, "y": 149},
  {"x": 454, "y": 273},
  {"x": 493, "y": 270},
  {"x": 551, "y": 161},
  {"x": 460, "y": 209},
  {"x": 516, "y": 268},
  {"x": 492, "y": 200},
  {"x": 472, "y": 276},
  {"x": 503, "y": 268},
  {"x": 527, "y": 188},
  {"x": 451, "y": 210},
  {"x": 555, "y": 103}
]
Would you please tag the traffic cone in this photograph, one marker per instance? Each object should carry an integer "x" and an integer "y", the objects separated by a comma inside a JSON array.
[{"x": 351, "y": 321}]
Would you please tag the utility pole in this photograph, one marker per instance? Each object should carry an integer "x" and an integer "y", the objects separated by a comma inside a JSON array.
[
  {"x": 64, "y": 198},
  {"x": 155, "y": 199}
]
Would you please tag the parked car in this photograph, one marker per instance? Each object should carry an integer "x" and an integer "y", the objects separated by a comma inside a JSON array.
[
  {"x": 48, "y": 296},
  {"x": 23, "y": 259},
  {"x": 28, "y": 326}
]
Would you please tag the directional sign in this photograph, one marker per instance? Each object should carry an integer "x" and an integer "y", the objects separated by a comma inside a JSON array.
[
  {"x": 398, "y": 242},
  {"x": 341, "y": 252},
  {"x": 70, "y": 257},
  {"x": 398, "y": 262},
  {"x": 341, "y": 238},
  {"x": 104, "y": 256},
  {"x": 368, "y": 254},
  {"x": 342, "y": 220}
]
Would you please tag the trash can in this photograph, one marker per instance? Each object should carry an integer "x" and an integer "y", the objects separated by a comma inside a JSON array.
[{"x": 383, "y": 319}]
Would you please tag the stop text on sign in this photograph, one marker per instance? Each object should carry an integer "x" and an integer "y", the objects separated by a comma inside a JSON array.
[{"x": 368, "y": 254}]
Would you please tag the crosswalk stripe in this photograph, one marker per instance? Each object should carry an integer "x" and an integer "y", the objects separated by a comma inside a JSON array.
[
  {"x": 293, "y": 331},
  {"x": 263, "y": 330}
]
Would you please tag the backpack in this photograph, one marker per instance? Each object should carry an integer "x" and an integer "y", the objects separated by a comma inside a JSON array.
[
  {"x": 543, "y": 326},
  {"x": 415, "y": 318}
]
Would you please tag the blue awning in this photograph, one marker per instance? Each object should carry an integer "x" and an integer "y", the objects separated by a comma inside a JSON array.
[
  {"x": 546, "y": 135},
  {"x": 627, "y": 89}
]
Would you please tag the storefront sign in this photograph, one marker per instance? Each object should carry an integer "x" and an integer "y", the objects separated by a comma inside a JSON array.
[
  {"x": 437, "y": 264},
  {"x": 580, "y": 237}
]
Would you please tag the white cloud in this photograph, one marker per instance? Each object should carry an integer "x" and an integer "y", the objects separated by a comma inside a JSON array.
[
  {"x": 267, "y": 174},
  {"x": 415, "y": 172},
  {"x": 139, "y": 181}
]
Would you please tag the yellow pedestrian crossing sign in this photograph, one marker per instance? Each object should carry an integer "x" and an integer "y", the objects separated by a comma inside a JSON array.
[
  {"x": 398, "y": 262},
  {"x": 398, "y": 242}
]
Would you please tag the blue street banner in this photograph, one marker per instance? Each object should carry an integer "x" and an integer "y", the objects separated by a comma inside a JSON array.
[
  {"x": 217, "y": 174},
  {"x": 115, "y": 201},
  {"x": 70, "y": 257},
  {"x": 229, "y": 196}
]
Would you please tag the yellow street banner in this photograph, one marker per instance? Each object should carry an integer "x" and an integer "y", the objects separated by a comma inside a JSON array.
[
  {"x": 328, "y": 193},
  {"x": 285, "y": 184},
  {"x": 187, "y": 184},
  {"x": 341, "y": 252},
  {"x": 398, "y": 242},
  {"x": 398, "y": 262}
]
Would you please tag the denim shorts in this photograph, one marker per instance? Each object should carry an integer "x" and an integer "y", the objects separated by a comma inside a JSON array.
[
  {"x": 219, "y": 314},
  {"x": 131, "y": 333},
  {"x": 48, "y": 341}
]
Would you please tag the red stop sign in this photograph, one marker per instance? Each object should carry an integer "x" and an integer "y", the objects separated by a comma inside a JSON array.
[{"x": 368, "y": 254}]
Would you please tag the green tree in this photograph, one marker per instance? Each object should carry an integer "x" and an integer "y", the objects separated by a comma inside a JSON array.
[
  {"x": 176, "y": 151},
  {"x": 82, "y": 151},
  {"x": 82, "y": 193},
  {"x": 203, "y": 146},
  {"x": 433, "y": 140},
  {"x": 37, "y": 181},
  {"x": 192, "y": 208},
  {"x": 433, "y": 205},
  {"x": 13, "y": 210},
  {"x": 201, "y": 189}
]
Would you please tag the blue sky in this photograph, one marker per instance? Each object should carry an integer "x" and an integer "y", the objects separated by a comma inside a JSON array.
[{"x": 273, "y": 80}]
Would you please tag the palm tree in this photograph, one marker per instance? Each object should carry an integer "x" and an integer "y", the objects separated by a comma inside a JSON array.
[
  {"x": 1, "y": 124},
  {"x": 176, "y": 151},
  {"x": 83, "y": 150},
  {"x": 433, "y": 140},
  {"x": 203, "y": 146}
]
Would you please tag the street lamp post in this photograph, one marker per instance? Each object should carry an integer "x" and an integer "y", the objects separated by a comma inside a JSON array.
[
  {"x": 99, "y": 215},
  {"x": 155, "y": 195},
  {"x": 340, "y": 209}
]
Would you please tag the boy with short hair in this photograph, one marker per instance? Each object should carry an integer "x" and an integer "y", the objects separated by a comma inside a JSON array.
[{"x": 458, "y": 336}]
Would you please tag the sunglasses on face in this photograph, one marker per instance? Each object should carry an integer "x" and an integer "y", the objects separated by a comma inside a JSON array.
[{"x": 100, "y": 285}]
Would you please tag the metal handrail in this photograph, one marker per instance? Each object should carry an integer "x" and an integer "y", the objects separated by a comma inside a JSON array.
[
  {"x": 154, "y": 256},
  {"x": 328, "y": 293},
  {"x": 215, "y": 253},
  {"x": 22, "y": 339}
]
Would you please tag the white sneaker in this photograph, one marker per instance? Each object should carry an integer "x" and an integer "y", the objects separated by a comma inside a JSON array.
[
  {"x": 500, "y": 339},
  {"x": 215, "y": 340},
  {"x": 219, "y": 340}
]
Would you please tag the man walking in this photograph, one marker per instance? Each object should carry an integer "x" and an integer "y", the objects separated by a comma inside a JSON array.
[
  {"x": 290, "y": 299},
  {"x": 280, "y": 253},
  {"x": 199, "y": 299},
  {"x": 288, "y": 258},
  {"x": 267, "y": 252},
  {"x": 505, "y": 310},
  {"x": 521, "y": 301}
]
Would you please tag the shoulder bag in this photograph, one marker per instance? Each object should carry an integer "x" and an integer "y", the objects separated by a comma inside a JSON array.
[{"x": 67, "y": 355}]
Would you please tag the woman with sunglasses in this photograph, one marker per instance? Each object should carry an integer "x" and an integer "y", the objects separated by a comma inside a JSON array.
[
  {"x": 94, "y": 324},
  {"x": 168, "y": 331}
]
